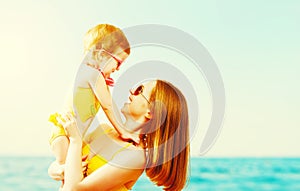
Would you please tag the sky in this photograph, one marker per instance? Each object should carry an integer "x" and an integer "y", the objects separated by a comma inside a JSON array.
[{"x": 255, "y": 46}]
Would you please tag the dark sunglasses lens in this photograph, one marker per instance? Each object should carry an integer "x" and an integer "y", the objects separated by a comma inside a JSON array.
[{"x": 138, "y": 90}]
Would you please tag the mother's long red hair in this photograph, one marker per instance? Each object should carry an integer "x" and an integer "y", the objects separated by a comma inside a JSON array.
[{"x": 167, "y": 137}]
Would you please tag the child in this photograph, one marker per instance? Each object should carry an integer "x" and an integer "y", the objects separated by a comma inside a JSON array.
[{"x": 106, "y": 47}]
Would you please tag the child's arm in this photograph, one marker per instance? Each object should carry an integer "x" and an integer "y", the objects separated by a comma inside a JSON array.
[
  {"x": 59, "y": 144},
  {"x": 102, "y": 92}
]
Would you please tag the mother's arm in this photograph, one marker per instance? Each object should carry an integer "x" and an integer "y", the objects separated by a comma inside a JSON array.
[{"x": 125, "y": 168}]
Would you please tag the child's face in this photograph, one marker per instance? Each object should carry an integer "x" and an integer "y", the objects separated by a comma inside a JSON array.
[{"x": 114, "y": 62}]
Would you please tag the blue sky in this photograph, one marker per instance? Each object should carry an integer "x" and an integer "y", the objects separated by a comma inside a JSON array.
[{"x": 255, "y": 45}]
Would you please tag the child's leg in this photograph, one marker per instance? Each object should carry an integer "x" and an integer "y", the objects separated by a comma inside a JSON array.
[
  {"x": 59, "y": 147},
  {"x": 59, "y": 142}
]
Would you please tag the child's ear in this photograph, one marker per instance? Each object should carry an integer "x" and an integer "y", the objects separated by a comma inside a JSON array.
[
  {"x": 99, "y": 46},
  {"x": 148, "y": 114}
]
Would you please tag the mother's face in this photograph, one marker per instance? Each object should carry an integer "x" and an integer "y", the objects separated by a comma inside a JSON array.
[{"x": 138, "y": 106}]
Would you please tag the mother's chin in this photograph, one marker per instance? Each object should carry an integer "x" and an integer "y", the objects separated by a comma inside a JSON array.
[{"x": 125, "y": 109}]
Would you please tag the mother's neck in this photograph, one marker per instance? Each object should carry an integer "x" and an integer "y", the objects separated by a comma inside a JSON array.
[{"x": 133, "y": 126}]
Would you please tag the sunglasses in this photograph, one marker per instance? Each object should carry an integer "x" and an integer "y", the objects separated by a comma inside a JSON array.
[
  {"x": 118, "y": 60},
  {"x": 139, "y": 91}
]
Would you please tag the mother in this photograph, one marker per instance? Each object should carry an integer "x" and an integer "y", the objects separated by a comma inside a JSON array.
[{"x": 157, "y": 111}]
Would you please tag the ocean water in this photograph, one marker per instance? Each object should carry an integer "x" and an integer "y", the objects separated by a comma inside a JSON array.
[{"x": 208, "y": 174}]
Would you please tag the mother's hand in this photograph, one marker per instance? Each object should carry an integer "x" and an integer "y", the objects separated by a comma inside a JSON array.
[{"x": 68, "y": 121}]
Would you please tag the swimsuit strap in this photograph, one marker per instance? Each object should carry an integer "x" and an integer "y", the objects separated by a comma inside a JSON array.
[
  {"x": 104, "y": 132},
  {"x": 120, "y": 150}
]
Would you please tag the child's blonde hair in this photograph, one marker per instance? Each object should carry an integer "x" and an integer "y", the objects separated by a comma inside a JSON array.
[{"x": 105, "y": 36}]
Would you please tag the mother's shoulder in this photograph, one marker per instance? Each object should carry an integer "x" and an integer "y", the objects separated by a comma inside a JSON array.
[{"x": 132, "y": 157}]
